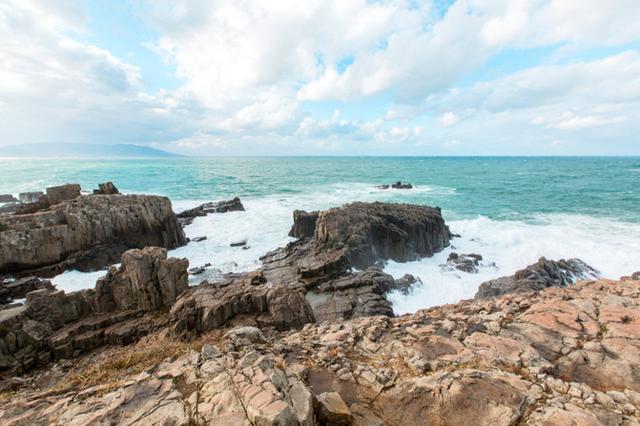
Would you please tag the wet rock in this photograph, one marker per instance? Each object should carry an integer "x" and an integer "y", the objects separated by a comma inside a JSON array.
[
  {"x": 397, "y": 185},
  {"x": 198, "y": 239},
  {"x": 107, "y": 188},
  {"x": 538, "y": 276},
  {"x": 187, "y": 217},
  {"x": 464, "y": 262},
  {"x": 407, "y": 283},
  {"x": 199, "y": 270},
  {"x": 238, "y": 243},
  {"x": 85, "y": 233}
]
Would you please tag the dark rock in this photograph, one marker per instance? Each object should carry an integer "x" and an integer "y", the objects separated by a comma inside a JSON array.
[
  {"x": 397, "y": 185},
  {"x": 538, "y": 276},
  {"x": 8, "y": 198},
  {"x": 209, "y": 306},
  {"x": 30, "y": 197},
  {"x": 86, "y": 233},
  {"x": 407, "y": 283},
  {"x": 464, "y": 262},
  {"x": 198, "y": 239},
  {"x": 53, "y": 324},
  {"x": 18, "y": 289},
  {"x": 635, "y": 276},
  {"x": 107, "y": 188},
  {"x": 370, "y": 232},
  {"x": 238, "y": 244},
  {"x": 304, "y": 224},
  {"x": 332, "y": 410},
  {"x": 199, "y": 270},
  {"x": 186, "y": 217}
]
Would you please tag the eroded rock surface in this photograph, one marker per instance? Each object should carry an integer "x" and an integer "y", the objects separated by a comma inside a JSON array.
[
  {"x": 560, "y": 356},
  {"x": 538, "y": 276},
  {"x": 85, "y": 232},
  {"x": 53, "y": 324}
]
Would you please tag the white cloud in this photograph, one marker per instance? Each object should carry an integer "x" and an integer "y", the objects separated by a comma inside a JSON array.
[
  {"x": 570, "y": 121},
  {"x": 448, "y": 119}
]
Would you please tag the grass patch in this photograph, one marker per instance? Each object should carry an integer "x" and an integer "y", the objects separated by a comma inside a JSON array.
[
  {"x": 3, "y": 227},
  {"x": 115, "y": 368}
]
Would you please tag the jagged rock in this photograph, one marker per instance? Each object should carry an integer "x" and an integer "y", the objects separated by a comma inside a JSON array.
[
  {"x": 209, "y": 306},
  {"x": 251, "y": 334},
  {"x": 370, "y": 232},
  {"x": 397, "y": 185},
  {"x": 559, "y": 356},
  {"x": 635, "y": 276},
  {"x": 464, "y": 262},
  {"x": 30, "y": 197},
  {"x": 53, "y": 324},
  {"x": 8, "y": 198},
  {"x": 86, "y": 233},
  {"x": 304, "y": 224},
  {"x": 107, "y": 188},
  {"x": 198, "y": 239},
  {"x": 406, "y": 283},
  {"x": 18, "y": 289},
  {"x": 58, "y": 194},
  {"x": 146, "y": 280},
  {"x": 540, "y": 275},
  {"x": 187, "y": 217},
  {"x": 199, "y": 269}
]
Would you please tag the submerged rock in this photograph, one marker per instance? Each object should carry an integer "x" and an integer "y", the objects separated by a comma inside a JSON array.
[
  {"x": 464, "y": 262},
  {"x": 86, "y": 232},
  {"x": 397, "y": 185},
  {"x": 538, "y": 276},
  {"x": 187, "y": 217}
]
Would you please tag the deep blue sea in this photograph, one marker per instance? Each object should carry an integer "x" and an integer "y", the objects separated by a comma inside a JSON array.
[{"x": 511, "y": 210}]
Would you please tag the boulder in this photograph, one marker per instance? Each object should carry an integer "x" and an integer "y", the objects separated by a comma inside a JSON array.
[
  {"x": 86, "y": 233},
  {"x": 332, "y": 411},
  {"x": 58, "y": 194},
  {"x": 187, "y": 217},
  {"x": 107, "y": 188},
  {"x": 538, "y": 276}
]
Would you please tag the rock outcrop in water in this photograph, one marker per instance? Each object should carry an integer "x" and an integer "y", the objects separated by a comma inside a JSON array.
[
  {"x": 188, "y": 216},
  {"x": 53, "y": 324},
  {"x": 84, "y": 232},
  {"x": 538, "y": 276},
  {"x": 560, "y": 356}
]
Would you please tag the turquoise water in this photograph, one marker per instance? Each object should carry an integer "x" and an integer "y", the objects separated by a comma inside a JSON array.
[
  {"x": 510, "y": 210},
  {"x": 499, "y": 188}
]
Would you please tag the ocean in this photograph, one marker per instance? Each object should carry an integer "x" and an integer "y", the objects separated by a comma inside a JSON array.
[{"x": 511, "y": 210}]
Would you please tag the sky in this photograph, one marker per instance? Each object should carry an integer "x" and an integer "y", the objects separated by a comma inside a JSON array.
[{"x": 324, "y": 77}]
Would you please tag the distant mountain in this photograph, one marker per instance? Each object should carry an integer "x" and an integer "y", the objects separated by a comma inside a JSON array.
[{"x": 78, "y": 150}]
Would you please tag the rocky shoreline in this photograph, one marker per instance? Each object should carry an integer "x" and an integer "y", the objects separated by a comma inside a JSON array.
[{"x": 307, "y": 338}]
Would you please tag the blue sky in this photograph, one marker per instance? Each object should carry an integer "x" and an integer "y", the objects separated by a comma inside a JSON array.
[{"x": 344, "y": 77}]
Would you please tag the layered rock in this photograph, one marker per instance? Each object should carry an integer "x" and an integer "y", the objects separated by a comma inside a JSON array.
[
  {"x": 560, "y": 356},
  {"x": 53, "y": 324},
  {"x": 18, "y": 289},
  {"x": 369, "y": 232},
  {"x": 86, "y": 232},
  {"x": 8, "y": 198},
  {"x": 188, "y": 216},
  {"x": 107, "y": 188},
  {"x": 538, "y": 276}
]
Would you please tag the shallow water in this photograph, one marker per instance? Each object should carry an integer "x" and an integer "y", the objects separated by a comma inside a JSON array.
[{"x": 510, "y": 210}]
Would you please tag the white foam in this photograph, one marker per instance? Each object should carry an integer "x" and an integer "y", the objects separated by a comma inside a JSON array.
[
  {"x": 75, "y": 280},
  {"x": 609, "y": 246}
]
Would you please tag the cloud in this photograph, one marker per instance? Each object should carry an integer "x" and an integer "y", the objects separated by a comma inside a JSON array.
[
  {"x": 570, "y": 121},
  {"x": 448, "y": 119}
]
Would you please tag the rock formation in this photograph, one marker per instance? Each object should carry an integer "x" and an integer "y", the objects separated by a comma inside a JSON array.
[
  {"x": 107, "y": 188},
  {"x": 85, "y": 232},
  {"x": 463, "y": 262},
  {"x": 18, "y": 289},
  {"x": 8, "y": 198},
  {"x": 30, "y": 197},
  {"x": 540, "y": 275},
  {"x": 559, "y": 356},
  {"x": 53, "y": 324},
  {"x": 187, "y": 217},
  {"x": 397, "y": 185}
]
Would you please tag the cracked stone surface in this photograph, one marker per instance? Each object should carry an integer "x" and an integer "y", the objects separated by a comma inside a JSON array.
[{"x": 559, "y": 356}]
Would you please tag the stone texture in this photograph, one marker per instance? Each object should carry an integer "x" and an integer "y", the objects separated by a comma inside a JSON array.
[
  {"x": 30, "y": 197},
  {"x": 53, "y": 324},
  {"x": 558, "y": 356},
  {"x": 304, "y": 224},
  {"x": 540, "y": 275},
  {"x": 86, "y": 233},
  {"x": 18, "y": 289},
  {"x": 8, "y": 198}
]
